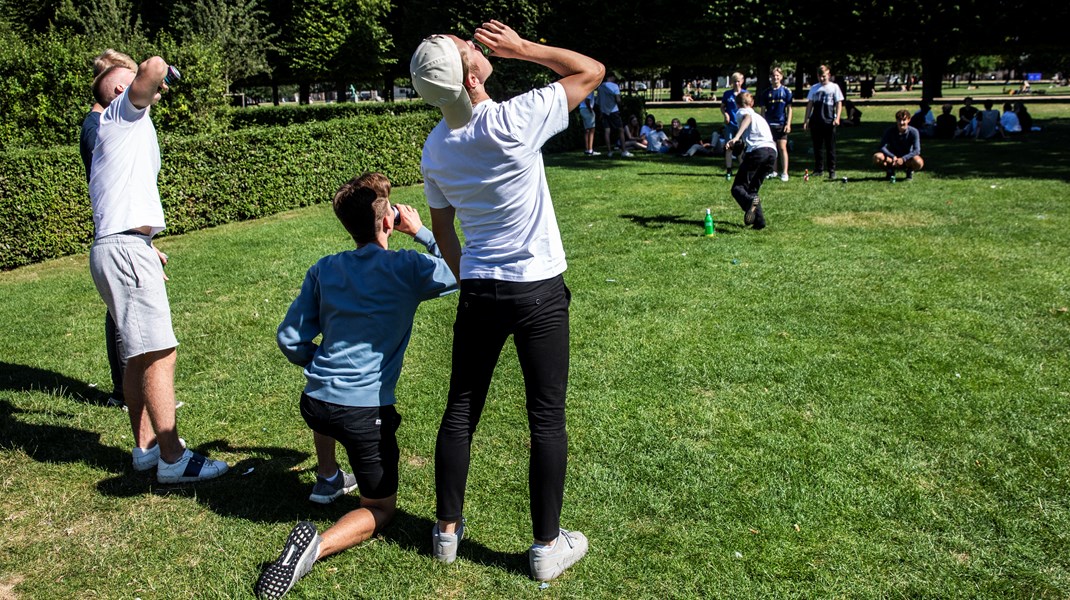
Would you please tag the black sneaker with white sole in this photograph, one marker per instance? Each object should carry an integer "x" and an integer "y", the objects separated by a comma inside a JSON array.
[{"x": 296, "y": 560}]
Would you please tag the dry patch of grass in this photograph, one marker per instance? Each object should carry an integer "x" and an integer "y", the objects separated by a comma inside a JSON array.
[
  {"x": 872, "y": 219},
  {"x": 7, "y": 587}
]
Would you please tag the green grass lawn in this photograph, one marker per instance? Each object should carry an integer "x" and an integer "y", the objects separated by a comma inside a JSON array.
[{"x": 866, "y": 399}]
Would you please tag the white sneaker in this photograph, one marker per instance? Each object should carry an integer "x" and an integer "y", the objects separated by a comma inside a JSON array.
[
  {"x": 771, "y": 175},
  {"x": 626, "y": 154},
  {"x": 784, "y": 177},
  {"x": 146, "y": 459},
  {"x": 444, "y": 545},
  {"x": 548, "y": 562},
  {"x": 191, "y": 467}
]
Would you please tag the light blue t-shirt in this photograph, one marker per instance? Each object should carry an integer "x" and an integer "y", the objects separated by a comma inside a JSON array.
[{"x": 363, "y": 302}]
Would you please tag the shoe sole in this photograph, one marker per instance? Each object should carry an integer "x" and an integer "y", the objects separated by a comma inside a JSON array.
[
  {"x": 293, "y": 563},
  {"x": 751, "y": 214}
]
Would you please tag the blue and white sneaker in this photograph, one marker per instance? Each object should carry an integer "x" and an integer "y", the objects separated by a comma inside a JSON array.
[
  {"x": 326, "y": 491},
  {"x": 295, "y": 561},
  {"x": 146, "y": 459},
  {"x": 191, "y": 467}
]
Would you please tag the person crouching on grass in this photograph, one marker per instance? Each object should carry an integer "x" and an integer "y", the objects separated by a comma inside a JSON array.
[
  {"x": 900, "y": 147},
  {"x": 363, "y": 302},
  {"x": 758, "y": 161}
]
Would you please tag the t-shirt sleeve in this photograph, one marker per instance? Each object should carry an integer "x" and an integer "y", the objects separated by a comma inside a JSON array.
[
  {"x": 535, "y": 117},
  {"x": 435, "y": 197},
  {"x": 839, "y": 94},
  {"x": 122, "y": 109}
]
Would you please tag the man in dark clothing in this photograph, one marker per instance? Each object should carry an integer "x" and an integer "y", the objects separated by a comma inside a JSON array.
[{"x": 900, "y": 147}]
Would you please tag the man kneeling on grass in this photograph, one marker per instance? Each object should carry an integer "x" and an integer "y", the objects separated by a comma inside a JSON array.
[
  {"x": 363, "y": 302},
  {"x": 900, "y": 147}
]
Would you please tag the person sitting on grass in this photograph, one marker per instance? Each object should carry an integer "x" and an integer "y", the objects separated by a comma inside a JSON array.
[
  {"x": 900, "y": 147},
  {"x": 363, "y": 302},
  {"x": 946, "y": 123},
  {"x": 987, "y": 124},
  {"x": 1009, "y": 121}
]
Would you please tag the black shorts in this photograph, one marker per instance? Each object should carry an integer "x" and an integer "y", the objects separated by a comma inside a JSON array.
[
  {"x": 778, "y": 132},
  {"x": 612, "y": 121},
  {"x": 369, "y": 435}
]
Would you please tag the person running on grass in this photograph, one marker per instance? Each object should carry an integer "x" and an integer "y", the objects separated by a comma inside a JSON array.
[
  {"x": 483, "y": 166},
  {"x": 758, "y": 160},
  {"x": 362, "y": 302}
]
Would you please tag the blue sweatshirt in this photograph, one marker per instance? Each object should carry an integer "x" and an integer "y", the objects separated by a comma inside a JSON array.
[
  {"x": 363, "y": 302},
  {"x": 904, "y": 145}
]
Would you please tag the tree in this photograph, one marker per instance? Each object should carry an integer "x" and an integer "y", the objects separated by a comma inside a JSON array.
[{"x": 239, "y": 28}]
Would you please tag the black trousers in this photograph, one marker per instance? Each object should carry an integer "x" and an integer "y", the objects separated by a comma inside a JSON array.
[
  {"x": 757, "y": 164},
  {"x": 536, "y": 315},
  {"x": 824, "y": 137}
]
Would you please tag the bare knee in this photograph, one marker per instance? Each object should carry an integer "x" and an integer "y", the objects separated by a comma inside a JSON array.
[
  {"x": 382, "y": 509},
  {"x": 916, "y": 163}
]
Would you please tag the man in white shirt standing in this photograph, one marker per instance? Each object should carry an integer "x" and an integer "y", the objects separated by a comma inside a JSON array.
[
  {"x": 483, "y": 166},
  {"x": 758, "y": 162},
  {"x": 128, "y": 270}
]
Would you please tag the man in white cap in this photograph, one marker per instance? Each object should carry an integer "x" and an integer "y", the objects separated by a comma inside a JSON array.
[{"x": 482, "y": 165}]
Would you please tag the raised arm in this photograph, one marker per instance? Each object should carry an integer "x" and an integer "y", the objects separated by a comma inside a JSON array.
[
  {"x": 579, "y": 74},
  {"x": 147, "y": 85}
]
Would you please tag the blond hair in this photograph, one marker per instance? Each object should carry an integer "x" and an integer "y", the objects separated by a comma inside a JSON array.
[{"x": 112, "y": 58}]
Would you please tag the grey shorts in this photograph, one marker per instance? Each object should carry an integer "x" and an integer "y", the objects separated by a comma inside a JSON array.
[
  {"x": 587, "y": 116},
  {"x": 129, "y": 278}
]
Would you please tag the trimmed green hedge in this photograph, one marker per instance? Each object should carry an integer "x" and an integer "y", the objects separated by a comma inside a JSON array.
[
  {"x": 293, "y": 114},
  {"x": 209, "y": 180},
  {"x": 206, "y": 180}
]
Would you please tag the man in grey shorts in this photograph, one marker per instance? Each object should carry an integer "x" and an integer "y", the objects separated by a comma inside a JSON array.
[{"x": 128, "y": 270}]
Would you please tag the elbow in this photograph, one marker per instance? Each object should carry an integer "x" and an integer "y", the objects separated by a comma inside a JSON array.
[
  {"x": 596, "y": 74},
  {"x": 153, "y": 67}
]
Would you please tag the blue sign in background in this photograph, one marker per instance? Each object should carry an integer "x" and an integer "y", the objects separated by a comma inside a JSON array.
[{"x": 1032, "y": 76}]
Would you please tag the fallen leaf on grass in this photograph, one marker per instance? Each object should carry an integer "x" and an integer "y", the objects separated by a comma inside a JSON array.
[
  {"x": 797, "y": 527},
  {"x": 754, "y": 531}
]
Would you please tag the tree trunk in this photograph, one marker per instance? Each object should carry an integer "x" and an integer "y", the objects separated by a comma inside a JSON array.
[
  {"x": 305, "y": 92},
  {"x": 933, "y": 66},
  {"x": 340, "y": 90},
  {"x": 274, "y": 92},
  {"x": 676, "y": 84}
]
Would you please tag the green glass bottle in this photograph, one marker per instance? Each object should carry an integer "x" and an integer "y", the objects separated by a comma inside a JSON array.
[{"x": 709, "y": 223}]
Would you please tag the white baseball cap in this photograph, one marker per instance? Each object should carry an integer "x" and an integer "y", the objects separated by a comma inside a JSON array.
[{"x": 438, "y": 76}]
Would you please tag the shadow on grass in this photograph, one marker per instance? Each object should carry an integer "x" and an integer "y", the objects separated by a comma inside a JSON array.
[
  {"x": 692, "y": 225},
  {"x": 412, "y": 533},
  {"x": 23, "y": 378},
  {"x": 56, "y": 443}
]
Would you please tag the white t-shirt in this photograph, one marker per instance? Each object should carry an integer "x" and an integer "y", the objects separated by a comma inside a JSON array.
[
  {"x": 757, "y": 134},
  {"x": 1010, "y": 122},
  {"x": 491, "y": 172},
  {"x": 126, "y": 161},
  {"x": 656, "y": 140}
]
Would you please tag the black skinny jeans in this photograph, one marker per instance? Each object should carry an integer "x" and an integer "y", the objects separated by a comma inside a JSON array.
[
  {"x": 824, "y": 137},
  {"x": 757, "y": 164},
  {"x": 536, "y": 315}
]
